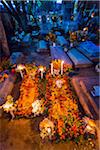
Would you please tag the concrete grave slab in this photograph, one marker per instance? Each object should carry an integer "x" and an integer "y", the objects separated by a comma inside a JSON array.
[
  {"x": 42, "y": 46},
  {"x": 61, "y": 40},
  {"x": 15, "y": 57},
  {"x": 57, "y": 52},
  {"x": 89, "y": 49},
  {"x": 79, "y": 59}
]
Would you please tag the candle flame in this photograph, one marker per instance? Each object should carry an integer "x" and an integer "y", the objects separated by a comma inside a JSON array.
[
  {"x": 62, "y": 61},
  {"x": 41, "y": 69},
  {"x": 49, "y": 130},
  {"x": 20, "y": 67}
]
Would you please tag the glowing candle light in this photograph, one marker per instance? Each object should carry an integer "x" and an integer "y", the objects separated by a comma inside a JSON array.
[
  {"x": 54, "y": 44},
  {"x": 92, "y": 15},
  {"x": 49, "y": 130},
  {"x": 20, "y": 68},
  {"x": 52, "y": 68},
  {"x": 62, "y": 62},
  {"x": 41, "y": 70}
]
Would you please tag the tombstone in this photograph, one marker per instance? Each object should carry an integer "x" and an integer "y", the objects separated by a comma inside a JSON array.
[
  {"x": 6, "y": 88},
  {"x": 44, "y": 19},
  {"x": 35, "y": 33},
  {"x": 57, "y": 52},
  {"x": 27, "y": 39},
  {"x": 90, "y": 50},
  {"x": 44, "y": 29},
  {"x": 57, "y": 33},
  {"x": 15, "y": 57},
  {"x": 62, "y": 41},
  {"x": 42, "y": 46},
  {"x": 79, "y": 59}
]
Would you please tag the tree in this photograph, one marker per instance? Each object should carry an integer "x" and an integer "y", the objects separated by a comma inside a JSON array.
[
  {"x": 3, "y": 40},
  {"x": 17, "y": 9}
]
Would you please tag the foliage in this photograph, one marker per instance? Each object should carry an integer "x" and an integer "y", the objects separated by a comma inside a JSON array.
[
  {"x": 28, "y": 93},
  {"x": 53, "y": 96},
  {"x": 63, "y": 108}
]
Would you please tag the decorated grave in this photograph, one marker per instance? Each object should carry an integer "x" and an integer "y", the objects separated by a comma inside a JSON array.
[{"x": 48, "y": 92}]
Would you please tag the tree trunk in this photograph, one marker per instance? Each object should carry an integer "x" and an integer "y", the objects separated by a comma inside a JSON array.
[{"x": 3, "y": 39}]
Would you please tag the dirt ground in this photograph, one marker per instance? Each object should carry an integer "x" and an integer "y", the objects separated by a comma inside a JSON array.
[{"x": 22, "y": 134}]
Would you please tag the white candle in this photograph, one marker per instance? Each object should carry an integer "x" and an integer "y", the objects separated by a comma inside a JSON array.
[
  {"x": 62, "y": 62},
  {"x": 41, "y": 70},
  {"x": 52, "y": 68},
  {"x": 49, "y": 130},
  {"x": 54, "y": 44},
  {"x": 20, "y": 68},
  {"x": 21, "y": 74}
]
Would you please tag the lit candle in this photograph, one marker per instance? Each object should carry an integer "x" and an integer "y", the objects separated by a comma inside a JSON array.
[
  {"x": 52, "y": 68},
  {"x": 20, "y": 68},
  {"x": 41, "y": 70},
  {"x": 62, "y": 62},
  {"x": 54, "y": 44},
  {"x": 21, "y": 73},
  {"x": 49, "y": 130}
]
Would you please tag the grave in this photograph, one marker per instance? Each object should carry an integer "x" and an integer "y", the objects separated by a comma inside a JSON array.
[
  {"x": 15, "y": 57},
  {"x": 57, "y": 52},
  {"x": 89, "y": 49},
  {"x": 6, "y": 90},
  {"x": 83, "y": 87},
  {"x": 42, "y": 46},
  {"x": 79, "y": 59},
  {"x": 62, "y": 41}
]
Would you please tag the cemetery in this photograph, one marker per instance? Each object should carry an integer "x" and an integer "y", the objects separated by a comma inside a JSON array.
[{"x": 49, "y": 75}]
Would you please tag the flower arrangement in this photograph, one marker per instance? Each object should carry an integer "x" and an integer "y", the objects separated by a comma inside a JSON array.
[
  {"x": 46, "y": 128},
  {"x": 57, "y": 66},
  {"x": 63, "y": 108},
  {"x": 28, "y": 92},
  {"x": 90, "y": 126},
  {"x": 9, "y": 106},
  {"x": 38, "y": 107}
]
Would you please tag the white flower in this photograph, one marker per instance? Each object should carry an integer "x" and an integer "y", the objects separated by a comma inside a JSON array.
[
  {"x": 46, "y": 128},
  {"x": 59, "y": 83},
  {"x": 37, "y": 107}
]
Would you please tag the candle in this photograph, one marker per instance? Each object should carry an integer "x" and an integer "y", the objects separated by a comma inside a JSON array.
[
  {"x": 62, "y": 62},
  {"x": 54, "y": 44},
  {"x": 52, "y": 68},
  {"x": 41, "y": 70},
  {"x": 21, "y": 73},
  {"x": 20, "y": 68},
  {"x": 49, "y": 130}
]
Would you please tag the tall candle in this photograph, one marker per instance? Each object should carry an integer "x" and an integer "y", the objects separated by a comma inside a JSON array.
[
  {"x": 20, "y": 68},
  {"x": 21, "y": 73},
  {"x": 54, "y": 44},
  {"x": 52, "y": 68},
  {"x": 62, "y": 62},
  {"x": 41, "y": 70}
]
